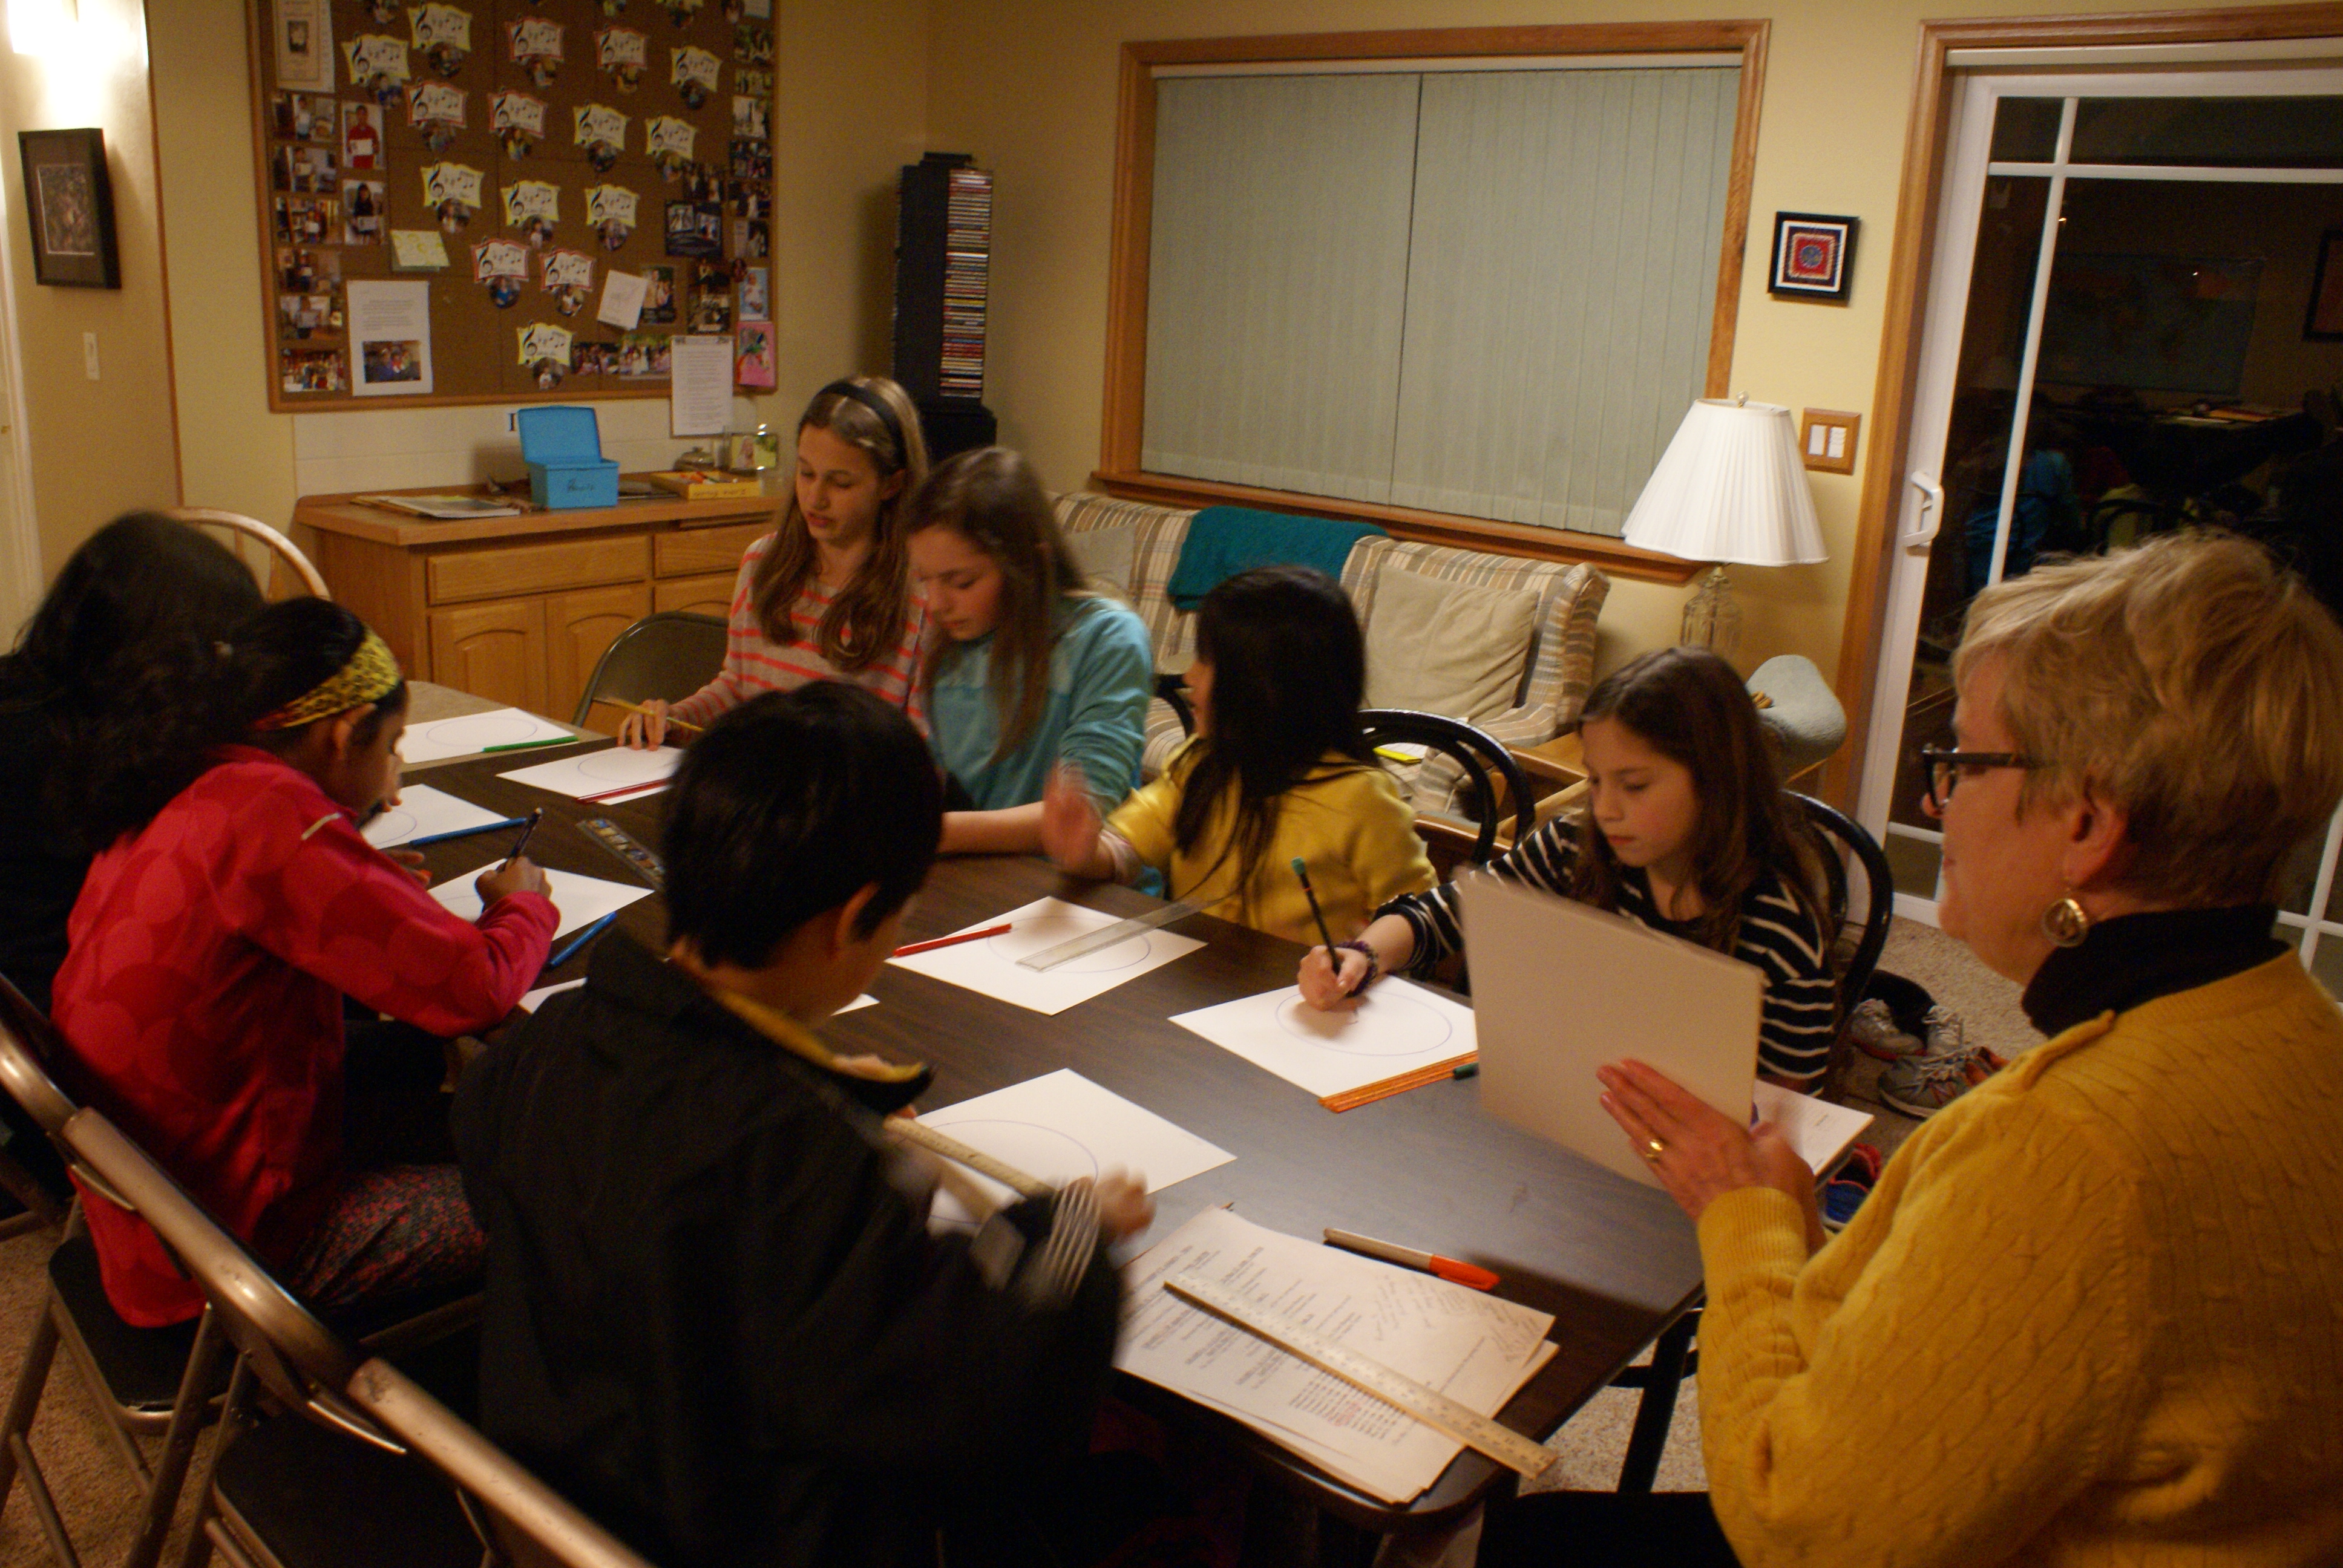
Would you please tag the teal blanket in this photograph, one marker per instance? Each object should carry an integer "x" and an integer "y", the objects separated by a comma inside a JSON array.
[{"x": 1225, "y": 541}]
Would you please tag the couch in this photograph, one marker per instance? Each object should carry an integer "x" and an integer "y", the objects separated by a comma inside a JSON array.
[{"x": 1502, "y": 641}]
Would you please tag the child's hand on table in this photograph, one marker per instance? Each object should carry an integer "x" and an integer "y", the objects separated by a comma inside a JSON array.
[
  {"x": 1124, "y": 1207},
  {"x": 411, "y": 862},
  {"x": 1330, "y": 987},
  {"x": 645, "y": 732},
  {"x": 518, "y": 875}
]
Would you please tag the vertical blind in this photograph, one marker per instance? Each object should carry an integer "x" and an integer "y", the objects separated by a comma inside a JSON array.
[{"x": 1487, "y": 293}]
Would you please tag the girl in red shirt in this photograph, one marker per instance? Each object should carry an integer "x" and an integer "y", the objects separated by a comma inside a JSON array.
[{"x": 212, "y": 949}]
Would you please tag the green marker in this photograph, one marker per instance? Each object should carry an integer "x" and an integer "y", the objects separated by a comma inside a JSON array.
[{"x": 525, "y": 745}]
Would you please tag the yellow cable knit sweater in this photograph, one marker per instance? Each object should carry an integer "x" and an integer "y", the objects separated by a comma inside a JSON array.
[{"x": 2093, "y": 1313}]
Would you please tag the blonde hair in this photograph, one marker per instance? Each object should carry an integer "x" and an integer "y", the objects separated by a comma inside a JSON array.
[
  {"x": 2192, "y": 682},
  {"x": 865, "y": 619}
]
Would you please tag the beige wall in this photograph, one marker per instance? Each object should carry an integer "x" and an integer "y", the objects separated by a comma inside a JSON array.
[
  {"x": 105, "y": 447},
  {"x": 1029, "y": 87}
]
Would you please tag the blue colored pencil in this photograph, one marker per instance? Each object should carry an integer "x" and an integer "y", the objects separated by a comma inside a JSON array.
[
  {"x": 460, "y": 833},
  {"x": 579, "y": 940}
]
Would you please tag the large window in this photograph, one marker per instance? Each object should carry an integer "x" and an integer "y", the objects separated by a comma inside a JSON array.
[{"x": 1463, "y": 284}]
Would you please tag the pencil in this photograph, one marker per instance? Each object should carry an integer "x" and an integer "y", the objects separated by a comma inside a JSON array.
[
  {"x": 522, "y": 842},
  {"x": 630, "y": 789},
  {"x": 460, "y": 833},
  {"x": 907, "y": 951},
  {"x": 579, "y": 940},
  {"x": 1302, "y": 870},
  {"x": 531, "y": 745},
  {"x": 673, "y": 722}
]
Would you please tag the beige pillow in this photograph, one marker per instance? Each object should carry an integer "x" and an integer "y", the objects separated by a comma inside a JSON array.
[
  {"x": 1452, "y": 649},
  {"x": 1106, "y": 556}
]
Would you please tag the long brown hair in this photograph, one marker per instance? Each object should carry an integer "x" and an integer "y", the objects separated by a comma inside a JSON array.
[
  {"x": 993, "y": 498},
  {"x": 1686, "y": 704},
  {"x": 864, "y": 619}
]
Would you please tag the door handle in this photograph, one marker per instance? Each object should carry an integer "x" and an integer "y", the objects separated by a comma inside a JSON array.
[{"x": 1932, "y": 510}]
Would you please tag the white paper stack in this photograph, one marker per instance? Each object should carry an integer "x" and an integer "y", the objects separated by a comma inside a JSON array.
[
  {"x": 1471, "y": 1347},
  {"x": 579, "y": 900}
]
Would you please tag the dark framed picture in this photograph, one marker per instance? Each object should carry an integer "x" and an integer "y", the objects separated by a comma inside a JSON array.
[
  {"x": 1813, "y": 252},
  {"x": 69, "y": 202},
  {"x": 2324, "y": 323}
]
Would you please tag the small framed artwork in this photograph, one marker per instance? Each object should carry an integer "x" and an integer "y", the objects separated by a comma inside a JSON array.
[
  {"x": 69, "y": 202},
  {"x": 2324, "y": 324},
  {"x": 1811, "y": 254}
]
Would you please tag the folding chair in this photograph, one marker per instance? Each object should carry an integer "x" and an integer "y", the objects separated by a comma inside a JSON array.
[{"x": 669, "y": 654}]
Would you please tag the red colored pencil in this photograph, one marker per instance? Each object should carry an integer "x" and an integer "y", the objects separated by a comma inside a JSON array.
[
  {"x": 630, "y": 789},
  {"x": 906, "y": 951}
]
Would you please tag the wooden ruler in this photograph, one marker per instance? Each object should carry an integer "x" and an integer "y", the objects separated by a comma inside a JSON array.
[
  {"x": 1109, "y": 936},
  {"x": 1430, "y": 1406},
  {"x": 976, "y": 1159}
]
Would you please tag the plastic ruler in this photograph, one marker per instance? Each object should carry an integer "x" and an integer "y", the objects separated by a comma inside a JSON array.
[{"x": 1109, "y": 936}]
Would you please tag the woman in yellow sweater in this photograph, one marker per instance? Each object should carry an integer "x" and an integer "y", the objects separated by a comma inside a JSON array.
[
  {"x": 1278, "y": 771},
  {"x": 2090, "y": 1314}
]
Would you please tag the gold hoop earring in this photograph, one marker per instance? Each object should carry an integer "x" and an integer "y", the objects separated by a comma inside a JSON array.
[{"x": 2066, "y": 922}]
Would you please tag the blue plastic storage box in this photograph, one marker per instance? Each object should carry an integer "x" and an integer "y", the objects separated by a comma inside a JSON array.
[{"x": 563, "y": 447}]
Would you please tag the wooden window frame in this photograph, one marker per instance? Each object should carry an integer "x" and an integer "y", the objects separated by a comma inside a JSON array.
[
  {"x": 1120, "y": 473},
  {"x": 1920, "y": 191}
]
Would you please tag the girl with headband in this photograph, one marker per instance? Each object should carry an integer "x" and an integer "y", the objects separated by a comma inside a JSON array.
[
  {"x": 826, "y": 596},
  {"x": 213, "y": 949}
]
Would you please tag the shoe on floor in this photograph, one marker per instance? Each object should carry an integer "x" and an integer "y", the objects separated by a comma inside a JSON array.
[
  {"x": 1947, "y": 1035},
  {"x": 1873, "y": 1030},
  {"x": 1843, "y": 1193},
  {"x": 1923, "y": 1085}
]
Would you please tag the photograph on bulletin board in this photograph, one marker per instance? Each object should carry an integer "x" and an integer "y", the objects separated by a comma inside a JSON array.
[{"x": 522, "y": 202}]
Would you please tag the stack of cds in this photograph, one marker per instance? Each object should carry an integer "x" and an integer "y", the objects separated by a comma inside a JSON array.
[{"x": 968, "y": 247}]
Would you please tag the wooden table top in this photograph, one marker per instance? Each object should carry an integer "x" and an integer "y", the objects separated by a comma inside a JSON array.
[
  {"x": 1612, "y": 1261},
  {"x": 345, "y": 514}
]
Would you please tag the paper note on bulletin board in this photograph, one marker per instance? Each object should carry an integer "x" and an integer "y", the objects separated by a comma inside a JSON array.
[{"x": 701, "y": 401}]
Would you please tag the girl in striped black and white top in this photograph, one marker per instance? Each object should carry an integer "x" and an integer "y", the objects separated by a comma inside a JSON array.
[
  {"x": 1686, "y": 831},
  {"x": 827, "y": 595}
]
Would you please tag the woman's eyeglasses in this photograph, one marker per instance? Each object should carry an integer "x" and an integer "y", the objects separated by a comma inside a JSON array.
[{"x": 1941, "y": 770}]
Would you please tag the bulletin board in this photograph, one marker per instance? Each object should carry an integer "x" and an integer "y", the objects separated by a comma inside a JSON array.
[{"x": 557, "y": 152}]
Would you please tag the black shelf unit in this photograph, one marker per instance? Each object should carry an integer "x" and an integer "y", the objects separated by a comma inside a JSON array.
[{"x": 943, "y": 259}]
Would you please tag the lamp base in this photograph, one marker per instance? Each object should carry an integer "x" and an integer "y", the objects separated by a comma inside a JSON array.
[{"x": 1711, "y": 619}]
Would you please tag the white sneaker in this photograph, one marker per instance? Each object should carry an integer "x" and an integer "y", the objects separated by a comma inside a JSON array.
[{"x": 1873, "y": 1029}]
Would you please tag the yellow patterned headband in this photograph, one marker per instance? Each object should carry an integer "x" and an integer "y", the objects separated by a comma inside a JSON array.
[{"x": 371, "y": 675}]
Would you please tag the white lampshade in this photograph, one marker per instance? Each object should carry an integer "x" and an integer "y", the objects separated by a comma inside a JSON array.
[{"x": 1731, "y": 489}]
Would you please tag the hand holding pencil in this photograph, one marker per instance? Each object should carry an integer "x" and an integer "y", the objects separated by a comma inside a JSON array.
[{"x": 647, "y": 723}]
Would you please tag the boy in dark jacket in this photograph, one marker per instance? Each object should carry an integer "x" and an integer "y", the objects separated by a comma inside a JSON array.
[{"x": 715, "y": 1317}]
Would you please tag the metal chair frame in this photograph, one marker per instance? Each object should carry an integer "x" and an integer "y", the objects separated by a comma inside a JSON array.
[
  {"x": 651, "y": 625},
  {"x": 1484, "y": 760}
]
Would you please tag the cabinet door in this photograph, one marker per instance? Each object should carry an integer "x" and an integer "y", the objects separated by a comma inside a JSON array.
[
  {"x": 577, "y": 627},
  {"x": 494, "y": 650},
  {"x": 711, "y": 594}
]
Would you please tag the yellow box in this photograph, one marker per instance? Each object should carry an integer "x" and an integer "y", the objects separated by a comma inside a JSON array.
[{"x": 695, "y": 485}]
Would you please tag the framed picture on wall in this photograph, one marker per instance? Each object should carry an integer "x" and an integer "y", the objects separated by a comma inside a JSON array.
[
  {"x": 69, "y": 202},
  {"x": 1811, "y": 251},
  {"x": 2324, "y": 324}
]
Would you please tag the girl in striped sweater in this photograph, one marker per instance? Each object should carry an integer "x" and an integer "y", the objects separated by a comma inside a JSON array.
[
  {"x": 827, "y": 596},
  {"x": 1686, "y": 831}
]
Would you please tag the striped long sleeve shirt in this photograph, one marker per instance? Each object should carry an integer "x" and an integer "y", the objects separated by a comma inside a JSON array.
[
  {"x": 1777, "y": 936},
  {"x": 753, "y": 664}
]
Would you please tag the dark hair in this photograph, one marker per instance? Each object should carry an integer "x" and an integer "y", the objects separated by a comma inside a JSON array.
[
  {"x": 993, "y": 498},
  {"x": 864, "y": 617},
  {"x": 288, "y": 650},
  {"x": 1688, "y": 705},
  {"x": 1289, "y": 672},
  {"x": 120, "y": 665},
  {"x": 788, "y": 805}
]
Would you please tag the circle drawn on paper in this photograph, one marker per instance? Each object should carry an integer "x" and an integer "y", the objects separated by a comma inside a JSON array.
[
  {"x": 1043, "y": 932},
  {"x": 479, "y": 731},
  {"x": 1386, "y": 1023},
  {"x": 393, "y": 827},
  {"x": 1042, "y": 1151},
  {"x": 612, "y": 763}
]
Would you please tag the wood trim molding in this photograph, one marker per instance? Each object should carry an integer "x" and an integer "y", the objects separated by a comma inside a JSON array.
[
  {"x": 1915, "y": 254},
  {"x": 1123, "y": 403},
  {"x": 1614, "y": 558}
]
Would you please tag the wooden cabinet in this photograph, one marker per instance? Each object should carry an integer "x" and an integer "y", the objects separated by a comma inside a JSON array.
[{"x": 519, "y": 608}]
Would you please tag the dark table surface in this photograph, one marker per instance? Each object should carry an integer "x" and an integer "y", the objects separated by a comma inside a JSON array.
[{"x": 1613, "y": 1261}]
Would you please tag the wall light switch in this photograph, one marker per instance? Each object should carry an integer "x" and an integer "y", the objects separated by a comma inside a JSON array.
[
  {"x": 1826, "y": 440},
  {"x": 89, "y": 355}
]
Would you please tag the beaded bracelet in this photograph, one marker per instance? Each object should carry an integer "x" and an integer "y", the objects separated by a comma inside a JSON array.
[{"x": 1374, "y": 964}]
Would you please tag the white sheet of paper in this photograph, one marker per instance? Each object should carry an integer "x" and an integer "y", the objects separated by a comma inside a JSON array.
[
  {"x": 1471, "y": 1346},
  {"x": 390, "y": 338},
  {"x": 1060, "y": 1127},
  {"x": 528, "y": 1002},
  {"x": 1397, "y": 1028},
  {"x": 422, "y": 811},
  {"x": 581, "y": 901},
  {"x": 612, "y": 768},
  {"x": 699, "y": 385},
  {"x": 622, "y": 299},
  {"x": 991, "y": 966},
  {"x": 1819, "y": 1130},
  {"x": 444, "y": 738}
]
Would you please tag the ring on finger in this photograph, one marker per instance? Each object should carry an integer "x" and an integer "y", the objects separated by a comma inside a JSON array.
[{"x": 1652, "y": 1149}]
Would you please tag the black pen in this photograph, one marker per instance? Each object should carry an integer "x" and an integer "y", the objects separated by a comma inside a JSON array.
[{"x": 534, "y": 818}]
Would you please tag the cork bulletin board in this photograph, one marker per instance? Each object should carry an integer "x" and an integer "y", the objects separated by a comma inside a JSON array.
[{"x": 452, "y": 195}]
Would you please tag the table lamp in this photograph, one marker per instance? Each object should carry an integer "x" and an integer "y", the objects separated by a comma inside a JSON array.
[{"x": 1731, "y": 489}]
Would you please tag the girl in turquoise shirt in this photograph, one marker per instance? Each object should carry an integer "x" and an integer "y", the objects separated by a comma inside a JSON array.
[{"x": 1032, "y": 670}]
